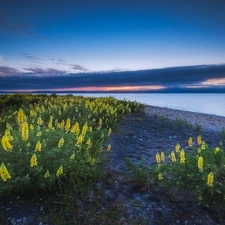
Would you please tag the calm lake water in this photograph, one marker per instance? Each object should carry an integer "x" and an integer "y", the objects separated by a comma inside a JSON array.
[{"x": 203, "y": 103}]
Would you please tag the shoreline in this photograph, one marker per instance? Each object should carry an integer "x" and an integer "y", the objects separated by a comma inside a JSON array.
[{"x": 205, "y": 121}]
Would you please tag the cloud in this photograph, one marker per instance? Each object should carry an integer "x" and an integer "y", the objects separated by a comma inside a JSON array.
[
  {"x": 30, "y": 57},
  {"x": 58, "y": 61},
  {"x": 61, "y": 61},
  {"x": 4, "y": 71},
  {"x": 75, "y": 67},
  {"x": 18, "y": 28},
  {"x": 1, "y": 58},
  {"x": 46, "y": 72},
  {"x": 78, "y": 67},
  {"x": 169, "y": 79}
]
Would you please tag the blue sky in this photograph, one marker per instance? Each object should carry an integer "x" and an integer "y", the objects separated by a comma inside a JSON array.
[{"x": 53, "y": 38}]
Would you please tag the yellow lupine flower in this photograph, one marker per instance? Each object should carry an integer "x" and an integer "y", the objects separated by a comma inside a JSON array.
[
  {"x": 177, "y": 148},
  {"x": 91, "y": 160},
  {"x": 62, "y": 124},
  {"x": 162, "y": 157},
  {"x": 50, "y": 123},
  {"x": 200, "y": 163},
  {"x": 217, "y": 149},
  {"x": 42, "y": 108},
  {"x": 8, "y": 134},
  {"x": 160, "y": 176},
  {"x": 47, "y": 174},
  {"x": 157, "y": 157},
  {"x": 210, "y": 179},
  {"x": 88, "y": 143},
  {"x": 173, "y": 157},
  {"x": 39, "y": 121},
  {"x": 199, "y": 140},
  {"x": 109, "y": 131},
  {"x": 4, "y": 173},
  {"x": 84, "y": 129},
  {"x": 39, "y": 133},
  {"x": 31, "y": 127},
  {"x": 72, "y": 156},
  {"x": 190, "y": 142},
  {"x": 182, "y": 156},
  {"x": 21, "y": 117},
  {"x": 77, "y": 128},
  {"x": 68, "y": 124},
  {"x": 203, "y": 146},
  {"x": 33, "y": 160},
  {"x": 8, "y": 126},
  {"x": 80, "y": 139},
  {"x": 24, "y": 131},
  {"x": 59, "y": 171},
  {"x": 109, "y": 147},
  {"x": 61, "y": 142},
  {"x": 6, "y": 144},
  {"x": 38, "y": 146},
  {"x": 56, "y": 122}
]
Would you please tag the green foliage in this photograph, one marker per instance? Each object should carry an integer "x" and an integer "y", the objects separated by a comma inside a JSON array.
[
  {"x": 206, "y": 180},
  {"x": 50, "y": 142},
  {"x": 140, "y": 172}
]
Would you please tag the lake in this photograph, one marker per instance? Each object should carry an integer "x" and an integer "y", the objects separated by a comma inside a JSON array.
[{"x": 203, "y": 103}]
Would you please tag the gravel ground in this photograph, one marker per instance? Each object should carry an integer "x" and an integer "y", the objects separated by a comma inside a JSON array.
[{"x": 206, "y": 121}]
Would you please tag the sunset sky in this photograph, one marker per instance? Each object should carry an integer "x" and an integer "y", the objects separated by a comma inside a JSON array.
[{"x": 62, "y": 39}]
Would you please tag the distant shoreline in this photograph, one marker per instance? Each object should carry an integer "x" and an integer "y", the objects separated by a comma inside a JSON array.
[{"x": 205, "y": 121}]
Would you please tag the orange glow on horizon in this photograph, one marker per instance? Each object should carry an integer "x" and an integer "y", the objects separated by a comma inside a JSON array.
[
  {"x": 113, "y": 88},
  {"x": 214, "y": 81}
]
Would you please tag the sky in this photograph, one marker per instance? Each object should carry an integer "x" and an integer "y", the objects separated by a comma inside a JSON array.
[{"x": 77, "y": 41}]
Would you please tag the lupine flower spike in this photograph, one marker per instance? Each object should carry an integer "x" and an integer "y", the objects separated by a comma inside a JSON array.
[
  {"x": 157, "y": 157},
  {"x": 190, "y": 142},
  {"x": 182, "y": 156},
  {"x": 210, "y": 179},
  {"x": 200, "y": 163}
]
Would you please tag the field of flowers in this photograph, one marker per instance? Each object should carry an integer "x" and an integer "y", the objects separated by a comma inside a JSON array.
[{"x": 53, "y": 141}]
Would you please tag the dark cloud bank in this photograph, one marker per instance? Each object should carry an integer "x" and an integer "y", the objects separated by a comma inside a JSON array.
[{"x": 177, "y": 79}]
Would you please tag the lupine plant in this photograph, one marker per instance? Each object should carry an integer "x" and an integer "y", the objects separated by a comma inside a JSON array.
[
  {"x": 52, "y": 141},
  {"x": 199, "y": 169}
]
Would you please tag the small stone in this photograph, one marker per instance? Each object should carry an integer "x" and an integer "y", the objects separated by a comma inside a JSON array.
[
  {"x": 40, "y": 223},
  {"x": 7, "y": 209},
  {"x": 24, "y": 219},
  {"x": 19, "y": 220}
]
